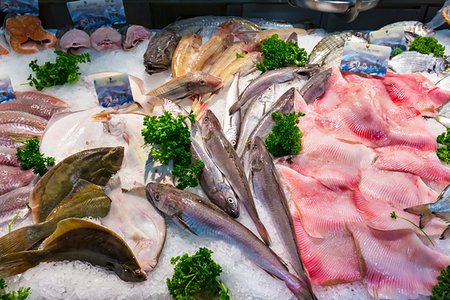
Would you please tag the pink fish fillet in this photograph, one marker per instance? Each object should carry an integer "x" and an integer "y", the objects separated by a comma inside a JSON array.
[
  {"x": 398, "y": 265},
  {"x": 407, "y": 159},
  {"x": 329, "y": 260},
  {"x": 321, "y": 210},
  {"x": 335, "y": 93}
]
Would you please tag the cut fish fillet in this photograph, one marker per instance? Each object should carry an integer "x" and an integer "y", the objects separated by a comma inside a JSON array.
[
  {"x": 398, "y": 265},
  {"x": 329, "y": 260}
]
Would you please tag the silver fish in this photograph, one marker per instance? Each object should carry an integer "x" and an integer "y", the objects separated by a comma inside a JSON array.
[
  {"x": 316, "y": 86},
  {"x": 203, "y": 218},
  {"x": 228, "y": 162},
  {"x": 415, "y": 27},
  {"x": 267, "y": 188},
  {"x": 411, "y": 61},
  {"x": 231, "y": 124}
]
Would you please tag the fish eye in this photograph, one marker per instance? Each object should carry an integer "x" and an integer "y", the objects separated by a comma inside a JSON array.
[
  {"x": 233, "y": 142},
  {"x": 202, "y": 82},
  {"x": 230, "y": 200},
  {"x": 137, "y": 271},
  {"x": 157, "y": 197},
  {"x": 167, "y": 52},
  {"x": 206, "y": 120}
]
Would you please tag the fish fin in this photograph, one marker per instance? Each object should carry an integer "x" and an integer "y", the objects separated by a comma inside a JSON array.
[
  {"x": 263, "y": 232},
  {"x": 185, "y": 225},
  {"x": 24, "y": 238},
  {"x": 423, "y": 211},
  {"x": 199, "y": 108},
  {"x": 18, "y": 262}
]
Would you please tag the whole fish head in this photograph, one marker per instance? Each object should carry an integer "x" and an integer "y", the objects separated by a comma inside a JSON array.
[
  {"x": 112, "y": 160},
  {"x": 130, "y": 271},
  {"x": 160, "y": 50},
  {"x": 441, "y": 207},
  {"x": 230, "y": 204},
  {"x": 359, "y": 37},
  {"x": 209, "y": 124},
  {"x": 164, "y": 198},
  {"x": 257, "y": 154},
  {"x": 201, "y": 83}
]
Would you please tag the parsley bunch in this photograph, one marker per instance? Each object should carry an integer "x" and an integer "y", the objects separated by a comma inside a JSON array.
[
  {"x": 444, "y": 152},
  {"x": 64, "y": 70},
  {"x": 20, "y": 294},
  {"x": 396, "y": 52},
  {"x": 286, "y": 137},
  {"x": 442, "y": 290},
  {"x": 172, "y": 137},
  {"x": 195, "y": 277},
  {"x": 427, "y": 45},
  {"x": 277, "y": 53},
  {"x": 30, "y": 157}
]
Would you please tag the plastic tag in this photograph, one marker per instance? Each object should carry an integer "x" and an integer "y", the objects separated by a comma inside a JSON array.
[
  {"x": 392, "y": 37},
  {"x": 116, "y": 11},
  {"x": 6, "y": 89},
  {"x": 20, "y": 7},
  {"x": 113, "y": 90},
  {"x": 365, "y": 58},
  {"x": 88, "y": 14}
]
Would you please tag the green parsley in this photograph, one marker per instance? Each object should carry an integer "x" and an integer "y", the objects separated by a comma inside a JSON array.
[
  {"x": 277, "y": 53},
  {"x": 64, "y": 70},
  {"x": 427, "y": 45},
  {"x": 171, "y": 136},
  {"x": 240, "y": 55},
  {"x": 394, "y": 216},
  {"x": 396, "y": 52},
  {"x": 286, "y": 137},
  {"x": 195, "y": 277},
  {"x": 444, "y": 152},
  {"x": 20, "y": 294},
  {"x": 442, "y": 290},
  {"x": 30, "y": 157},
  {"x": 10, "y": 223}
]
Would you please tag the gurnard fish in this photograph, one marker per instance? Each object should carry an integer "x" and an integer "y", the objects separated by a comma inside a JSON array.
[
  {"x": 188, "y": 46},
  {"x": 76, "y": 239},
  {"x": 267, "y": 188},
  {"x": 134, "y": 35},
  {"x": 212, "y": 50},
  {"x": 75, "y": 41},
  {"x": 203, "y": 218},
  {"x": 414, "y": 27},
  {"x": 95, "y": 165},
  {"x": 85, "y": 200},
  {"x": 242, "y": 65},
  {"x": 228, "y": 162},
  {"x": 106, "y": 38},
  {"x": 411, "y": 61}
]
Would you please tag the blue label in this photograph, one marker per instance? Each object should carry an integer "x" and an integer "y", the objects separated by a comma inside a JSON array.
[
  {"x": 116, "y": 11},
  {"x": 113, "y": 90},
  {"x": 20, "y": 7},
  {"x": 365, "y": 58},
  {"x": 392, "y": 37},
  {"x": 6, "y": 90},
  {"x": 88, "y": 14}
]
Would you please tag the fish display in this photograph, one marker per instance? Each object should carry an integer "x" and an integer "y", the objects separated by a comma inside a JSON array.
[
  {"x": 135, "y": 34},
  {"x": 106, "y": 38},
  {"x": 74, "y": 41},
  {"x": 414, "y": 27},
  {"x": 411, "y": 62}
]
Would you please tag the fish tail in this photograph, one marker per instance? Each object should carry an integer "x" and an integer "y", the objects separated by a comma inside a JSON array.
[
  {"x": 25, "y": 238},
  {"x": 18, "y": 262},
  {"x": 423, "y": 211},
  {"x": 263, "y": 232},
  {"x": 300, "y": 289}
]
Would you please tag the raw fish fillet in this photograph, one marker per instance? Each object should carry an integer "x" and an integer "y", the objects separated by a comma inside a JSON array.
[
  {"x": 398, "y": 265},
  {"x": 8, "y": 156},
  {"x": 329, "y": 260},
  {"x": 407, "y": 159},
  {"x": 321, "y": 210},
  {"x": 335, "y": 93},
  {"x": 12, "y": 178}
]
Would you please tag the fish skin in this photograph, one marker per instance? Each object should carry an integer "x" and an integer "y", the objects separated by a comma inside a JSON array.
[
  {"x": 77, "y": 239},
  {"x": 203, "y": 218},
  {"x": 75, "y": 41},
  {"x": 19, "y": 117},
  {"x": 283, "y": 34},
  {"x": 211, "y": 50},
  {"x": 188, "y": 46},
  {"x": 267, "y": 188},
  {"x": 243, "y": 65},
  {"x": 411, "y": 61},
  {"x": 242, "y": 29},
  {"x": 261, "y": 83},
  {"x": 193, "y": 83},
  {"x": 415, "y": 27},
  {"x": 12, "y": 178},
  {"x": 316, "y": 86},
  {"x": 160, "y": 51},
  {"x": 228, "y": 162},
  {"x": 12, "y": 202},
  {"x": 226, "y": 58},
  {"x": 95, "y": 165},
  {"x": 106, "y": 38},
  {"x": 232, "y": 124},
  {"x": 134, "y": 36},
  {"x": 8, "y": 156}
]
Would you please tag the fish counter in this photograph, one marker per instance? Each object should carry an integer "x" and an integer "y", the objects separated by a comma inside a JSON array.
[{"x": 285, "y": 163}]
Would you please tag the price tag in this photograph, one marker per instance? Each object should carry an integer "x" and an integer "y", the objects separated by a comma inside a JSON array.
[
  {"x": 365, "y": 58},
  {"x": 20, "y": 7},
  {"x": 88, "y": 14},
  {"x": 113, "y": 90},
  {"x": 116, "y": 11},
  {"x": 6, "y": 89},
  {"x": 392, "y": 37}
]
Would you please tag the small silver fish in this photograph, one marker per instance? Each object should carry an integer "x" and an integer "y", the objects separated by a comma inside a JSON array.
[
  {"x": 415, "y": 27},
  {"x": 411, "y": 61}
]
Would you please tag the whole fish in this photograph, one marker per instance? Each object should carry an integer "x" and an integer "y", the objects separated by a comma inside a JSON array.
[
  {"x": 213, "y": 183},
  {"x": 316, "y": 86},
  {"x": 106, "y": 38},
  {"x": 95, "y": 165},
  {"x": 242, "y": 65},
  {"x": 212, "y": 50},
  {"x": 228, "y": 162},
  {"x": 415, "y": 27},
  {"x": 85, "y": 200},
  {"x": 160, "y": 50},
  {"x": 411, "y": 61},
  {"x": 267, "y": 188},
  {"x": 261, "y": 83},
  {"x": 203, "y": 218},
  {"x": 74, "y": 41},
  {"x": 227, "y": 57},
  {"x": 193, "y": 83},
  {"x": 134, "y": 35},
  {"x": 76, "y": 239},
  {"x": 257, "y": 108},
  {"x": 333, "y": 43},
  {"x": 188, "y": 46}
]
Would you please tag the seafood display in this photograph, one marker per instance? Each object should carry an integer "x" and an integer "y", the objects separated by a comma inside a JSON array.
[{"x": 301, "y": 179}]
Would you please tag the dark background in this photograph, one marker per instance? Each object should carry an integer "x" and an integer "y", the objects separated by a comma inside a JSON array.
[{"x": 158, "y": 13}]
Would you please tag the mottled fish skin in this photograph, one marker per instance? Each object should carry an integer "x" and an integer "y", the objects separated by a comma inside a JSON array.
[
  {"x": 160, "y": 51},
  {"x": 316, "y": 86},
  {"x": 12, "y": 178},
  {"x": 193, "y": 83},
  {"x": 75, "y": 41},
  {"x": 415, "y": 27},
  {"x": 228, "y": 162},
  {"x": 77, "y": 239},
  {"x": 134, "y": 36},
  {"x": 411, "y": 62},
  {"x": 188, "y": 46},
  {"x": 106, "y": 38},
  {"x": 95, "y": 165},
  {"x": 203, "y": 218},
  {"x": 267, "y": 188}
]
